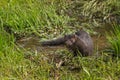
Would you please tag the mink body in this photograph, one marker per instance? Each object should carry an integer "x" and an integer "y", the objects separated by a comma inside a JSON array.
[{"x": 80, "y": 42}]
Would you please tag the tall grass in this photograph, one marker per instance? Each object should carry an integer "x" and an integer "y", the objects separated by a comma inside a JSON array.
[
  {"x": 26, "y": 16},
  {"x": 101, "y": 9},
  {"x": 30, "y": 16},
  {"x": 14, "y": 65},
  {"x": 94, "y": 13},
  {"x": 42, "y": 17},
  {"x": 114, "y": 39}
]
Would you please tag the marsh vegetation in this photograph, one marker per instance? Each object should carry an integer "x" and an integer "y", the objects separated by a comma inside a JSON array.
[{"x": 25, "y": 23}]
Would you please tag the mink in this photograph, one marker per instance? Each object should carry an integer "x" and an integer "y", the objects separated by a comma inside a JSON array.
[{"x": 78, "y": 43}]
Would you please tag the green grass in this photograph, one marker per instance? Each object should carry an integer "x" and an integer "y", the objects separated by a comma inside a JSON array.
[
  {"x": 101, "y": 9},
  {"x": 32, "y": 17},
  {"x": 47, "y": 19},
  {"x": 93, "y": 13},
  {"x": 14, "y": 65},
  {"x": 114, "y": 40}
]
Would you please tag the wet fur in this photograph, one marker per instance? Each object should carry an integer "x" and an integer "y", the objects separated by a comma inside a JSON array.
[
  {"x": 59, "y": 41},
  {"x": 80, "y": 42}
]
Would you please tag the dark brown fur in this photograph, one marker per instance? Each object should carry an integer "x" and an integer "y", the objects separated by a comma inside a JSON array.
[{"x": 80, "y": 42}]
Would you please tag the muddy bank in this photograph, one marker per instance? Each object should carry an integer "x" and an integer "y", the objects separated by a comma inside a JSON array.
[{"x": 33, "y": 44}]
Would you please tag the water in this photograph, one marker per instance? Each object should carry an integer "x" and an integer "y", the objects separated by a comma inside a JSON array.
[{"x": 33, "y": 43}]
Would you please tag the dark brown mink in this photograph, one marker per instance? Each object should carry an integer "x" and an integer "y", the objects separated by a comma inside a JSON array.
[
  {"x": 83, "y": 44},
  {"x": 58, "y": 41},
  {"x": 79, "y": 42}
]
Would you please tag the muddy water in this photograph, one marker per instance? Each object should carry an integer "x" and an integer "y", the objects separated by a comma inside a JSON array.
[
  {"x": 100, "y": 40},
  {"x": 50, "y": 53},
  {"x": 33, "y": 43}
]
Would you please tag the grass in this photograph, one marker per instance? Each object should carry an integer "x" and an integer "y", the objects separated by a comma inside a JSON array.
[
  {"x": 43, "y": 18},
  {"x": 32, "y": 17},
  {"x": 14, "y": 65},
  {"x": 93, "y": 13},
  {"x": 114, "y": 40}
]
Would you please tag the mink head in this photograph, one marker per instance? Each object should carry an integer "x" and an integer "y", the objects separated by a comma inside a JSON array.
[{"x": 70, "y": 39}]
